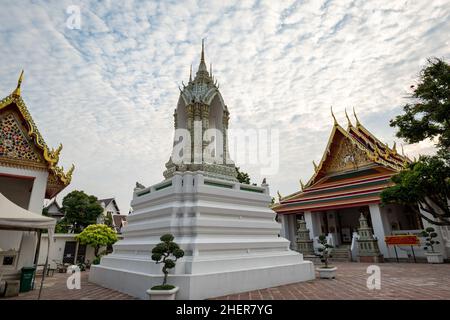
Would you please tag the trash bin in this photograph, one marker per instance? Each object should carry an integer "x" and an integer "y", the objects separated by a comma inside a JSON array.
[{"x": 27, "y": 278}]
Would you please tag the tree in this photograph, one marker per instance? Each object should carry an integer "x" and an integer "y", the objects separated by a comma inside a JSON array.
[
  {"x": 324, "y": 250},
  {"x": 62, "y": 226},
  {"x": 45, "y": 212},
  {"x": 429, "y": 114},
  {"x": 242, "y": 177},
  {"x": 80, "y": 209},
  {"x": 425, "y": 184},
  {"x": 161, "y": 254},
  {"x": 429, "y": 234},
  {"x": 96, "y": 236}
]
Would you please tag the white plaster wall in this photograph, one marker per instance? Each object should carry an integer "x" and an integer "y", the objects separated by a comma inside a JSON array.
[
  {"x": 381, "y": 227},
  {"x": 57, "y": 248},
  {"x": 36, "y": 202}
]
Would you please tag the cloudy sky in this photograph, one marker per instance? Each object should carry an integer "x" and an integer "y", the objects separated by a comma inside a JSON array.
[{"x": 107, "y": 90}]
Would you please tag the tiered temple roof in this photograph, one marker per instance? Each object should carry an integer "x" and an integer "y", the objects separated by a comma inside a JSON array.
[
  {"x": 22, "y": 145},
  {"x": 355, "y": 167}
]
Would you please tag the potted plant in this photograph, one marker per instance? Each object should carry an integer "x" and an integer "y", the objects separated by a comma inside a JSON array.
[
  {"x": 432, "y": 256},
  {"x": 162, "y": 253},
  {"x": 326, "y": 271}
]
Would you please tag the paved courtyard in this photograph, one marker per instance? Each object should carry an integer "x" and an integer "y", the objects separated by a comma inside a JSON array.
[{"x": 398, "y": 281}]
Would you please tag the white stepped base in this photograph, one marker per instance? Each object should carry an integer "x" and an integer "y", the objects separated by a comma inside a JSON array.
[
  {"x": 203, "y": 286},
  {"x": 227, "y": 230}
]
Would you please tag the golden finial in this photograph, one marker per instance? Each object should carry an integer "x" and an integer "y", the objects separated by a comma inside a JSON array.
[
  {"x": 394, "y": 147},
  {"x": 302, "y": 185},
  {"x": 315, "y": 166},
  {"x": 349, "y": 123},
  {"x": 279, "y": 196},
  {"x": 334, "y": 118},
  {"x": 19, "y": 83},
  {"x": 357, "y": 120}
]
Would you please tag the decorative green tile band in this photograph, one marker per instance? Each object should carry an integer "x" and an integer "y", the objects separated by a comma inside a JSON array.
[{"x": 217, "y": 184}]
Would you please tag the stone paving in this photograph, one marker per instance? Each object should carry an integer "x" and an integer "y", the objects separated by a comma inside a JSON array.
[
  {"x": 55, "y": 288},
  {"x": 398, "y": 281}
]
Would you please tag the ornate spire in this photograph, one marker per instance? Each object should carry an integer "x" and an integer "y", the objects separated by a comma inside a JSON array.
[
  {"x": 190, "y": 74},
  {"x": 19, "y": 83},
  {"x": 202, "y": 70},
  {"x": 334, "y": 118}
]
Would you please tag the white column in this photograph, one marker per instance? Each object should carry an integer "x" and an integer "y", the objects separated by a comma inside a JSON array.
[
  {"x": 311, "y": 224},
  {"x": 380, "y": 228},
  {"x": 284, "y": 226},
  {"x": 293, "y": 230}
]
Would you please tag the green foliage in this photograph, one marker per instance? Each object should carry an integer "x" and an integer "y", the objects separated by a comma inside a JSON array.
[
  {"x": 324, "y": 250},
  {"x": 429, "y": 234},
  {"x": 62, "y": 226},
  {"x": 80, "y": 209},
  {"x": 424, "y": 184},
  {"x": 429, "y": 114},
  {"x": 163, "y": 287},
  {"x": 161, "y": 254},
  {"x": 109, "y": 220},
  {"x": 45, "y": 212},
  {"x": 242, "y": 176},
  {"x": 97, "y": 235}
]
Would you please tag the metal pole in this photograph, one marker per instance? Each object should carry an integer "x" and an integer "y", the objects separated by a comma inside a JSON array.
[
  {"x": 45, "y": 266},
  {"x": 396, "y": 255},
  {"x": 38, "y": 246},
  {"x": 414, "y": 255}
]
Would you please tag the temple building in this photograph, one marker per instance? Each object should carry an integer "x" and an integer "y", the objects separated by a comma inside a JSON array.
[
  {"x": 342, "y": 198},
  {"x": 29, "y": 171}
]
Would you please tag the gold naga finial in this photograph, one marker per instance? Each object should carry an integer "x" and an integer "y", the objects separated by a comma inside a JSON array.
[
  {"x": 349, "y": 123},
  {"x": 357, "y": 120},
  {"x": 394, "y": 147},
  {"x": 67, "y": 177},
  {"x": 302, "y": 185},
  {"x": 315, "y": 166},
  {"x": 19, "y": 83},
  {"x": 279, "y": 195},
  {"x": 334, "y": 118},
  {"x": 55, "y": 153}
]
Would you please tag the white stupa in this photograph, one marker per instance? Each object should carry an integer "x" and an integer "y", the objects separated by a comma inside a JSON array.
[{"x": 227, "y": 230}]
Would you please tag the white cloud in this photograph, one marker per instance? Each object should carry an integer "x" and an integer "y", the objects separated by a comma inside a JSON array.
[{"x": 107, "y": 91}]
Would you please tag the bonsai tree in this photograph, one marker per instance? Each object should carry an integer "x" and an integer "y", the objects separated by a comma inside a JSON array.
[
  {"x": 324, "y": 250},
  {"x": 429, "y": 234},
  {"x": 97, "y": 235},
  {"x": 162, "y": 254}
]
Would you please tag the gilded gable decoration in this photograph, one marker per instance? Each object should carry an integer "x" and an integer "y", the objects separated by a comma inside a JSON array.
[{"x": 22, "y": 145}]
